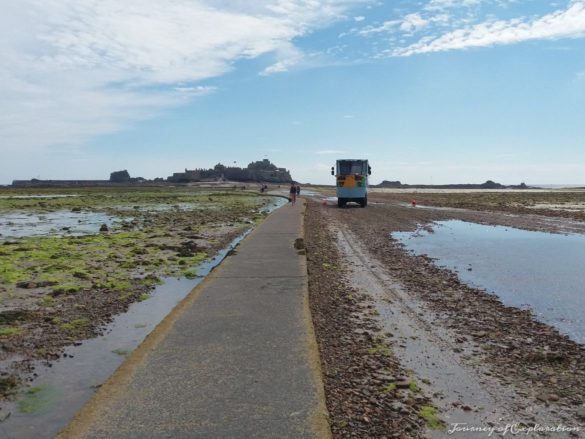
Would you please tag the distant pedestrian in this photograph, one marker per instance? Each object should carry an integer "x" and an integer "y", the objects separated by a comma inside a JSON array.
[
  {"x": 298, "y": 190},
  {"x": 293, "y": 194}
]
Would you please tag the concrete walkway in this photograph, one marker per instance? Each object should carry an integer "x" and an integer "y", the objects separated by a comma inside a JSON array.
[{"x": 237, "y": 358}]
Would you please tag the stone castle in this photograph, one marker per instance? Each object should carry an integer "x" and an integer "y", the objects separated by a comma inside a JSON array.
[{"x": 256, "y": 171}]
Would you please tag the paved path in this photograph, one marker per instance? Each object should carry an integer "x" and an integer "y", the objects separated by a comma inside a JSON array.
[{"x": 237, "y": 358}]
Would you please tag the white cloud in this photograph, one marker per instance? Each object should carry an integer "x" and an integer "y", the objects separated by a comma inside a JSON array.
[
  {"x": 439, "y": 5},
  {"x": 359, "y": 18},
  {"x": 567, "y": 23},
  {"x": 199, "y": 90},
  {"x": 74, "y": 69},
  {"x": 289, "y": 56},
  {"x": 413, "y": 23},
  {"x": 410, "y": 23},
  {"x": 387, "y": 26}
]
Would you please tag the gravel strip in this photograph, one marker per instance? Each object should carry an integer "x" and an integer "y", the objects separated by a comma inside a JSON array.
[{"x": 367, "y": 391}]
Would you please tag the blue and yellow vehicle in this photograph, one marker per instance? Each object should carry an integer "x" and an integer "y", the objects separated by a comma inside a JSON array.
[{"x": 352, "y": 181}]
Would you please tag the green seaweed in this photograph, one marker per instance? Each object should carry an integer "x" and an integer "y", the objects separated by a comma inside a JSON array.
[
  {"x": 379, "y": 348},
  {"x": 9, "y": 331},
  {"x": 121, "y": 352},
  {"x": 413, "y": 387},
  {"x": 389, "y": 387},
  {"x": 75, "y": 324},
  {"x": 431, "y": 417},
  {"x": 8, "y": 385},
  {"x": 37, "y": 399},
  {"x": 189, "y": 274},
  {"x": 48, "y": 302}
]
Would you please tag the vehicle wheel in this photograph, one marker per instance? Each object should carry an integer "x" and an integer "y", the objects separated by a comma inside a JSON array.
[
  {"x": 341, "y": 202},
  {"x": 364, "y": 202}
]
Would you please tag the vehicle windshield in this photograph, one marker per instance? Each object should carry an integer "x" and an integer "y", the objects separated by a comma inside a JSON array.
[{"x": 350, "y": 167}]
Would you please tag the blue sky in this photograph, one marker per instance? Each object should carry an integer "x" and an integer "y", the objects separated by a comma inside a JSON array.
[{"x": 431, "y": 91}]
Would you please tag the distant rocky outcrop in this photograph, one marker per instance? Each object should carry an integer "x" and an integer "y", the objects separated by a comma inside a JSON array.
[
  {"x": 60, "y": 183},
  {"x": 120, "y": 176},
  {"x": 390, "y": 184},
  {"x": 487, "y": 185}
]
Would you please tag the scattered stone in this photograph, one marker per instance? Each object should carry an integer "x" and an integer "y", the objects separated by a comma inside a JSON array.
[
  {"x": 403, "y": 383},
  {"x": 512, "y": 346},
  {"x": 46, "y": 283},
  {"x": 363, "y": 398}
]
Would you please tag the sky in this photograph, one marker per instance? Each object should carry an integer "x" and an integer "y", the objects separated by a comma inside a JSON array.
[{"x": 430, "y": 91}]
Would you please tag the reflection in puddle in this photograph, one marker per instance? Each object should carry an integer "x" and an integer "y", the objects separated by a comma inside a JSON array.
[
  {"x": 60, "y": 223},
  {"x": 537, "y": 270},
  {"x": 274, "y": 203},
  {"x": 168, "y": 207},
  {"x": 310, "y": 193},
  {"x": 32, "y": 197}
]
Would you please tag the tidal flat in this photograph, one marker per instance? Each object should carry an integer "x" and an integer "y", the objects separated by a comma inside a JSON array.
[
  {"x": 480, "y": 360},
  {"x": 72, "y": 259},
  {"x": 556, "y": 203}
]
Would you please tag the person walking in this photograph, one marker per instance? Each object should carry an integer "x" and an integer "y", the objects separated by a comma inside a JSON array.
[
  {"x": 298, "y": 190},
  {"x": 293, "y": 194}
]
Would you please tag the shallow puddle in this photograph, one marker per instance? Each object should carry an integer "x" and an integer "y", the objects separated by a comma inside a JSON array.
[
  {"x": 311, "y": 193},
  {"x": 60, "y": 223},
  {"x": 32, "y": 197},
  {"x": 273, "y": 203},
  {"x": 525, "y": 269}
]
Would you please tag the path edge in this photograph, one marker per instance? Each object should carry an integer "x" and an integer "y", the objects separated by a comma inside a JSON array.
[{"x": 320, "y": 416}]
